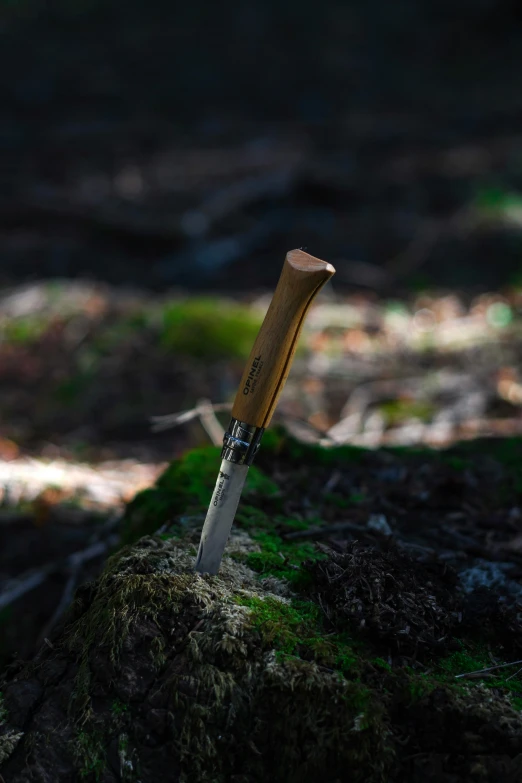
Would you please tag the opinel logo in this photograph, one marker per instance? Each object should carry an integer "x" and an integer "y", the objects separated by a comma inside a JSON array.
[
  {"x": 219, "y": 490},
  {"x": 253, "y": 375}
]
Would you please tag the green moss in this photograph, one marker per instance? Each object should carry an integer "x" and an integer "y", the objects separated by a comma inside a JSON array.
[
  {"x": 338, "y": 501},
  {"x": 121, "y": 330},
  {"x": 398, "y": 411},
  {"x": 292, "y": 524},
  {"x": 507, "y": 451},
  {"x": 186, "y": 487},
  {"x": 382, "y": 664},
  {"x": 462, "y": 661},
  {"x": 457, "y": 463},
  {"x": 277, "y": 442},
  {"x": 265, "y": 562},
  {"x": 248, "y": 517},
  {"x": 411, "y": 451},
  {"x": 325, "y": 456},
  {"x": 252, "y": 518},
  {"x": 187, "y": 484},
  {"x": 89, "y": 752},
  {"x": 282, "y": 626},
  {"x": 258, "y": 675},
  {"x": 193, "y": 476},
  {"x": 418, "y": 688},
  {"x": 344, "y": 654},
  {"x": 295, "y": 628},
  {"x": 71, "y": 389},
  {"x": 269, "y": 564},
  {"x": 207, "y": 328},
  {"x": 23, "y": 331},
  {"x": 282, "y": 559},
  {"x": 257, "y": 483},
  {"x": 497, "y": 202},
  {"x": 118, "y": 707},
  {"x": 469, "y": 658},
  {"x": 267, "y": 676},
  {"x": 274, "y": 439}
]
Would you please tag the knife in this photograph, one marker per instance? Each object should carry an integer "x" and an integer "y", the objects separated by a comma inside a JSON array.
[{"x": 263, "y": 379}]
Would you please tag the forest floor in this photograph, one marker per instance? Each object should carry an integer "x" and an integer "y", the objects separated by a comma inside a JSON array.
[{"x": 84, "y": 368}]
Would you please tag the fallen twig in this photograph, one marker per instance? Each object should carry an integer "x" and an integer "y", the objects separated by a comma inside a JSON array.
[
  {"x": 460, "y": 224},
  {"x": 489, "y": 669},
  {"x": 63, "y": 603},
  {"x": 16, "y": 588},
  {"x": 332, "y": 481},
  {"x": 160, "y": 423},
  {"x": 234, "y": 197},
  {"x": 210, "y": 422}
]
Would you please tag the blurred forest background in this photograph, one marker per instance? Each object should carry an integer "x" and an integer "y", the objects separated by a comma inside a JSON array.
[{"x": 157, "y": 162}]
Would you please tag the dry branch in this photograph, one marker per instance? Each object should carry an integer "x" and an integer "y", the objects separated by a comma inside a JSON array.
[{"x": 16, "y": 588}]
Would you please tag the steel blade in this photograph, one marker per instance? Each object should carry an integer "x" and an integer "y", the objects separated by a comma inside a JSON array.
[{"x": 220, "y": 516}]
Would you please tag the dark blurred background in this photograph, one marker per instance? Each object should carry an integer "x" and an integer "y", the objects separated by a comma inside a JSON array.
[{"x": 192, "y": 144}]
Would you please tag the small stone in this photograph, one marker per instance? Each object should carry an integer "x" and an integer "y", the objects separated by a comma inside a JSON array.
[{"x": 379, "y": 524}]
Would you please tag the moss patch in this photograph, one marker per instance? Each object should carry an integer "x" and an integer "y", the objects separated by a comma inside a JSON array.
[
  {"x": 299, "y": 661},
  {"x": 89, "y": 753},
  {"x": 208, "y": 329},
  {"x": 397, "y": 411},
  {"x": 232, "y": 677},
  {"x": 276, "y": 441},
  {"x": 239, "y": 689}
]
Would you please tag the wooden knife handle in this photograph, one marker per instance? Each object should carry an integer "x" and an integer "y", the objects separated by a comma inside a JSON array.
[{"x": 270, "y": 359}]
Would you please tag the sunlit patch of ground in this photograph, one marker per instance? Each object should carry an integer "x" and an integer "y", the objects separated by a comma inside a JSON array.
[{"x": 42, "y": 483}]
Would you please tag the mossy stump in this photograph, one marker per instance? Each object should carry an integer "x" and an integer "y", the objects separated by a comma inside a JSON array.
[{"x": 295, "y": 664}]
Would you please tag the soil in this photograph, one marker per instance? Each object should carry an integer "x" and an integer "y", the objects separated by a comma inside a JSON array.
[{"x": 357, "y": 589}]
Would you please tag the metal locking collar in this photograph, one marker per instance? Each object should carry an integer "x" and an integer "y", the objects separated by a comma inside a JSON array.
[{"x": 241, "y": 442}]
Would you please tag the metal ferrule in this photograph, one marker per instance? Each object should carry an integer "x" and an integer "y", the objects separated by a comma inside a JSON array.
[{"x": 241, "y": 442}]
